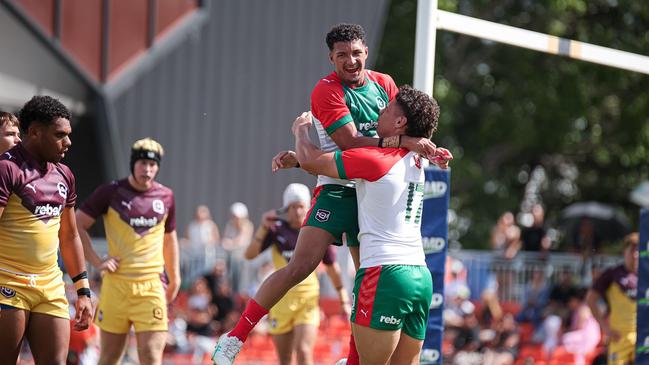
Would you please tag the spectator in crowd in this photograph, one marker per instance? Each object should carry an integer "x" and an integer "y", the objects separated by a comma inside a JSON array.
[
  {"x": 498, "y": 232},
  {"x": 535, "y": 298},
  {"x": 535, "y": 237},
  {"x": 583, "y": 335},
  {"x": 502, "y": 346},
  {"x": 200, "y": 323},
  {"x": 618, "y": 288},
  {"x": 9, "y": 131},
  {"x": 237, "y": 235},
  {"x": 557, "y": 312},
  {"x": 202, "y": 238}
]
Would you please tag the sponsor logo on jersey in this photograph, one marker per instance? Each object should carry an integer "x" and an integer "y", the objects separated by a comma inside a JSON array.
[
  {"x": 31, "y": 186},
  {"x": 434, "y": 189},
  {"x": 390, "y": 320},
  {"x": 7, "y": 292},
  {"x": 368, "y": 126},
  {"x": 48, "y": 210},
  {"x": 380, "y": 103},
  {"x": 157, "y": 313},
  {"x": 158, "y": 206},
  {"x": 433, "y": 244},
  {"x": 143, "y": 222},
  {"x": 63, "y": 190},
  {"x": 436, "y": 301},
  {"x": 322, "y": 215}
]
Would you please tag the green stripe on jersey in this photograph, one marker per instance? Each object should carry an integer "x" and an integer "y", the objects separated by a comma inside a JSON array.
[
  {"x": 338, "y": 156},
  {"x": 339, "y": 123}
]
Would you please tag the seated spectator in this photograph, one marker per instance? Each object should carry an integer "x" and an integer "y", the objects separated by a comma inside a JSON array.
[
  {"x": 502, "y": 342},
  {"x": 584, "y": 334},
  {"x": 557, "y": 312},
  {"x": 200, "y": 325},
  {"x": 535, "y": 298}
]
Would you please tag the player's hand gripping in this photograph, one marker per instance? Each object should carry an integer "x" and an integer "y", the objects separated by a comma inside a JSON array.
[
  {"x": 284, "y": 160},
  {"x": 84, "y": 314},
  {"x": 305, "y": 120},
  {"x": 110, "y": 264}
]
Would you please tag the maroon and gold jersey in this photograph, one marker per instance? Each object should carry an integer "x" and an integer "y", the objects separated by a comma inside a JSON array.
[
  {"x": 619, "y": 287},
  {"x": 33, "y": 197},
  {"x": 135, "y": 223},
  {"x": 282, "y": 239}
]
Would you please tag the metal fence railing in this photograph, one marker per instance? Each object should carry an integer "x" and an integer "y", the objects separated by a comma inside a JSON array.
[{"x": 485, "y": 269}]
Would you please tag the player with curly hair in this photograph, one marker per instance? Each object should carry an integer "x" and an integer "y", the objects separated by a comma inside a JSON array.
[
  {"x": 140, "y": 222},
  {"x": 393, "y": 287},
  {"x": 37, "y": 198}
]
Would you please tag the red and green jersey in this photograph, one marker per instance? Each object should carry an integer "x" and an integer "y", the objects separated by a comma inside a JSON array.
[
  {"x": 334, "y": 104},
  {"x": 390, "y": 192}
]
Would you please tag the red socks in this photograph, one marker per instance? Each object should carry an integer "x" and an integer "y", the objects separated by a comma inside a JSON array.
[
  {"x": 249, "y": 318},
  {"x": 352, "y": 357}
]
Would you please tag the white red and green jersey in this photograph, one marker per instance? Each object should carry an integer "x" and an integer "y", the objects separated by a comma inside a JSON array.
[
  {"x": 390, "y": 192},
  {"x": 334, "y": 104}
]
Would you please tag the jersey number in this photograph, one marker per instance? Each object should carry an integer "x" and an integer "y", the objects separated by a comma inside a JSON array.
[{"x": 415, "y": 202}]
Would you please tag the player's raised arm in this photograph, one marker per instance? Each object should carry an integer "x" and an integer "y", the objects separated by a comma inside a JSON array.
[{"x": 311, "y": 159}]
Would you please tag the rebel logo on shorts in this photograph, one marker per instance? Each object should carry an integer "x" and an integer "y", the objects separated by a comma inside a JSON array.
[
  {"x": 7, "y": 292},
  {"x": 322, "y": 215},
  {"x": 157, "y": 313}
]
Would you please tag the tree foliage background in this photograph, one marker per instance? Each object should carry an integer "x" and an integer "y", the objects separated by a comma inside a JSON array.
[{"x": 508, "y": 114}]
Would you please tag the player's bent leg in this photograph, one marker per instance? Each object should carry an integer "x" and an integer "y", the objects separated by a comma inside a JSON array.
[
  {"x": 407, "y": 351},
  {"x": 150, "y": 346},
  {"x": 113, "y": 346},
  {"x": 48, "y": 338},
  {"x": 311, "y": 246},
  {"x": 374, "y": 346},
  {"x": 305, "y": 336},
  {"x": 13, "y": 323},
  {"x": 284, "y": 347}
]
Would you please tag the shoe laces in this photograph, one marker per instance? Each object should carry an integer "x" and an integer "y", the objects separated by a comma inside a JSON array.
[{"x": 231, "y": 346}]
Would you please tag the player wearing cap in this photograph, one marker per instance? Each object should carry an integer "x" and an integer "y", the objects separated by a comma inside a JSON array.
[
  {"x": 140, "y": 223},
  {"x": 295, "y": 318},
  {"x": 37, "y": 197}
]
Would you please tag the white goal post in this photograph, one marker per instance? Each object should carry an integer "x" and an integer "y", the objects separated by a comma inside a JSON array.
[{"x": 429, "y": 19}]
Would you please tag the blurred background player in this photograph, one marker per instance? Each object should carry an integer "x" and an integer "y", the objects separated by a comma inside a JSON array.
[
  {"x": 140, "y": 223},
  {"x": 9, "y": 131},
  {"x": 618, "y": 287},
  {"x": 294, "y": 320},
  {"x": 37, "y": 198},
  {"x": 393, "y": 288}
]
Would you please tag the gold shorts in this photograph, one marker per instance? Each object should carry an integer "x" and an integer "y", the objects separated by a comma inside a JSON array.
[
  {"x": 622, "y": 352},
  {"x": 123, "y": 302},
  {"x": 42, "y": 293},
  {"x": 293, "y": 310}
]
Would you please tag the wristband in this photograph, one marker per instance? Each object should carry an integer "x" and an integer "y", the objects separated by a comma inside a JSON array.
[
  {"x": 82, "y": 275},
  {"x": 83, "y": 283},
  {"x": 83, "y": 291}
]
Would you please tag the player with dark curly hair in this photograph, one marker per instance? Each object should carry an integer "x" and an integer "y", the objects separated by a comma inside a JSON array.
[
  {"x": 393, "y": 287},
  {"x": 346, "y": 105},
  {"x": 37, "y": 198}
]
